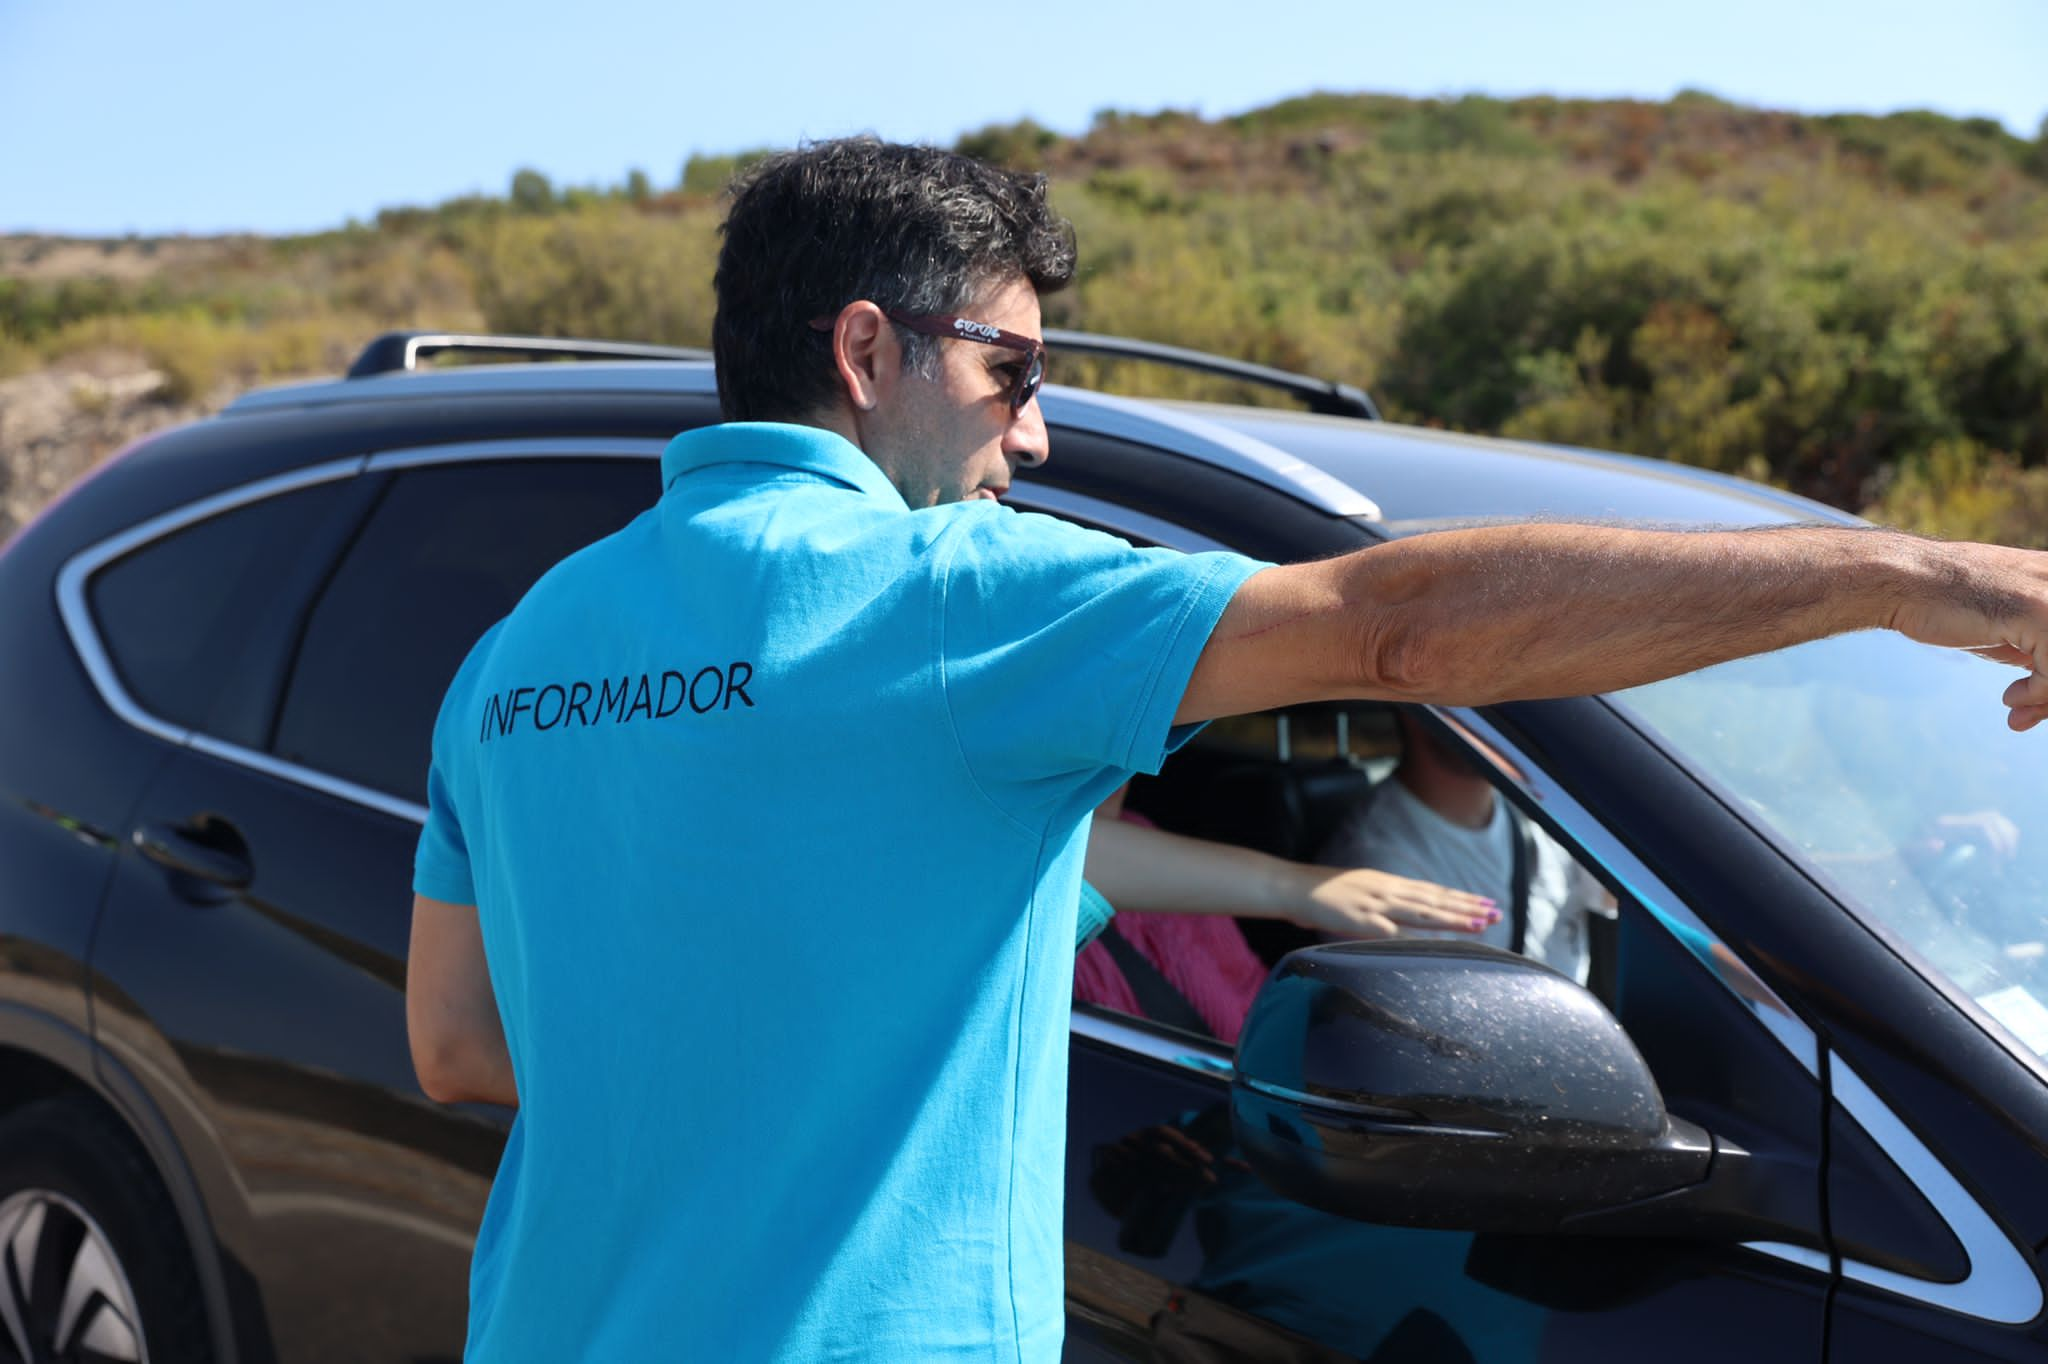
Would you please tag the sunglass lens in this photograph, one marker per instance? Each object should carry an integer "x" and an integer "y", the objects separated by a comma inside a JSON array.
[{"x": 1028, "y": 384}]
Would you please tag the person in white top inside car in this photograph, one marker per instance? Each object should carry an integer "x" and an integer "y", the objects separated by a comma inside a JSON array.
[{"x": 1438, "y": 819}]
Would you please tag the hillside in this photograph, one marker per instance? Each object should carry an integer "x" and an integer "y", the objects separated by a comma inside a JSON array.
[{"x": 1854, "y": 307}]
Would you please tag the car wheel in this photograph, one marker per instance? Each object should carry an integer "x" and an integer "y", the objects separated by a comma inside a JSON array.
[{"x": 93, "y": 1264}]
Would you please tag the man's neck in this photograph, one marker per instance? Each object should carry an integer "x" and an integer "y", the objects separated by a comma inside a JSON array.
[
  {"x": 1462, "y": 800},
  {"x": 843, "y": 422},
  {"x": 836, "y": 420}
]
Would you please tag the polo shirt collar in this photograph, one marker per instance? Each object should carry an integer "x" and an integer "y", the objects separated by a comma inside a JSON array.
[{"x": 808, "y": 448}]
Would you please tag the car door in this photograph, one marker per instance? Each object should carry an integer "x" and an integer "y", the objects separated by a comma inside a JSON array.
[
  {"x": 254, "y": 969},
  {"x": 1176, "y": 1251}
]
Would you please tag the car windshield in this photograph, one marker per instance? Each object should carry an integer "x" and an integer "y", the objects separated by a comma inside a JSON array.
[{"x": 1887, "y": 767}]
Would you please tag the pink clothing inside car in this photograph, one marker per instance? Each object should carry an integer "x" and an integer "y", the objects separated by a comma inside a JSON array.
[{"x": 1203, "y": 956}]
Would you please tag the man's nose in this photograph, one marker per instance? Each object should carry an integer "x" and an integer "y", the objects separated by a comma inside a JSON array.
[{"x": 1027, "y": 441}]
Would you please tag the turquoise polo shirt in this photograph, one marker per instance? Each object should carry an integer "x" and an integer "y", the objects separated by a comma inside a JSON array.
[{"x": 772, "y": 806}]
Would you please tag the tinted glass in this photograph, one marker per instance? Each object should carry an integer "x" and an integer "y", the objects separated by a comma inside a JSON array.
[
  {"x": 176, "y": 615},
  {"x": 1313, "y": 787},
  {"x": 1887, "y": 768},
  {"x": 445, "y": 555}
]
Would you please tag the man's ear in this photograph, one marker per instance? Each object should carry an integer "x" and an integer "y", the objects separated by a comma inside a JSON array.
[{"x": 866, "y": 353}]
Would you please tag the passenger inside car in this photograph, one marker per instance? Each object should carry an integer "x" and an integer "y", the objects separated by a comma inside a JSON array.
[
  {"x": 1188, "y": 971},
  {"x": 1438, "y": 818},
  {"x": 1173, "y": 953},
  {"x": 1265, "y": 840}
]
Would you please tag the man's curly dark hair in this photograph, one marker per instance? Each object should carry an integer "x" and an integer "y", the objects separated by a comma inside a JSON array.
[{"x": 910, "y": 227}]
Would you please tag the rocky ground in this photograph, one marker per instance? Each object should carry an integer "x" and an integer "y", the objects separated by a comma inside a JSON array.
[{"x": 57, "y": 423}]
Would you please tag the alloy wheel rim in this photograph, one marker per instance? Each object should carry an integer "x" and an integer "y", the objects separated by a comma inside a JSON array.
[{"x": 64, "y": 1298}]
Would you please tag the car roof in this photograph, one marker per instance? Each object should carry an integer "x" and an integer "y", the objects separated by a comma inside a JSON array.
[
  {"x": 1417, "y": 478},
  {"x": 1425, "y": 479}
]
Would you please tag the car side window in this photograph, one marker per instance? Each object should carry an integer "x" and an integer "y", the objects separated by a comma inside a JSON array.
[
  {"x": 1316, "y": 786},
  {"x": 447, "y": 553},
  {"x": 175, "y": 615},
  {"x": 1321, "y": 786}
]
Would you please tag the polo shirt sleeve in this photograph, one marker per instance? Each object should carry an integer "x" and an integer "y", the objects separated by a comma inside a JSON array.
[
  {"x": 1064, "y": 653},
  {"x": 1096, "y": 912},
  {"x": 441, "y": 868}
]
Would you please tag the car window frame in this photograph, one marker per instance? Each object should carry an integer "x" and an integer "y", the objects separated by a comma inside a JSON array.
[
  {"x": 340, "y": 729},
  {"x": 80, "y": 625},
  {"x": 74, "y": 579},
  {"x": 254, "y": 603}
]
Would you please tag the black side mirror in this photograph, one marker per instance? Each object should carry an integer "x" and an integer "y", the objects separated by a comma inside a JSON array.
[{"x": 1450, "y": 1085}]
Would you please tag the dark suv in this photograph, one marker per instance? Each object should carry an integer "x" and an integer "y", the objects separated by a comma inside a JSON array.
[{"x": 1815, "y": 1133}]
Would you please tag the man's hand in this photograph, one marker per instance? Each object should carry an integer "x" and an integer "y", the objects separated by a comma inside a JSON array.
[
  {"x": 451, "y": 1012},
  {"x": 1510, "y": 613},
  {"x": 1987, "y": 600}
]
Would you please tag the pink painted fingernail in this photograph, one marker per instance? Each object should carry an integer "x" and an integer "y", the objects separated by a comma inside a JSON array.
[
  {"x": 1493, "y": 916},
  {"x": 1488, "y": 901}
]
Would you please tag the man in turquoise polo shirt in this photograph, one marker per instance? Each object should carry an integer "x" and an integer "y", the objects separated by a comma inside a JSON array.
[{"x": 756, "y": 829}]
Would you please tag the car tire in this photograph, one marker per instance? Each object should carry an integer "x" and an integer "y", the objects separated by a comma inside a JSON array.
[{"x": 94, "y": 1265}]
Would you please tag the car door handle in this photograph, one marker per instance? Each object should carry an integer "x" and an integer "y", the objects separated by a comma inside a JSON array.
[{"x": 183, "y": 850}]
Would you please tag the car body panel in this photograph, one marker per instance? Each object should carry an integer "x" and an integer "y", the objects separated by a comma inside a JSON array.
[
  {"x": 352, "y": 1197},
  {"x": 1418, "y": 475}
]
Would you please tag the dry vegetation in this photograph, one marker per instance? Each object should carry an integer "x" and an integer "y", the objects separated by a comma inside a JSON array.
[{"x": 1853, "y": 307}]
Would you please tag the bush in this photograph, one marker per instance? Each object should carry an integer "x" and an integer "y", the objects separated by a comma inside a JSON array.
[
  {"x": 1021, "y": 145},
  {"x": 608, "y": 272},
  {"x": 16, "y": 356},
  {"x": 531, "y": 192},
  {"x": 30, "y": 309},
  {"x": 1960, "y": 490},
  {"x": 200, "y": 355},
  {"x": 1474, "y": 123},
  {"x": 711, "y": 174}
]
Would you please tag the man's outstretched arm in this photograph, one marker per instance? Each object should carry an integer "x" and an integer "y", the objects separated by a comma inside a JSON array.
[
  {"x": 1518, "y": 612},
  {"x": 451, "y": 1012}
]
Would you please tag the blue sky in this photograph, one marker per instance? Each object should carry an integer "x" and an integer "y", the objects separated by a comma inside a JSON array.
[{"x": 209, "y": 115}]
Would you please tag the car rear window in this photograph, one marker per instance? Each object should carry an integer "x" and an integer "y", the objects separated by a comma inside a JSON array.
[
  {"x": 447, "y": 553},
  {"x": 175, "y": 614}
]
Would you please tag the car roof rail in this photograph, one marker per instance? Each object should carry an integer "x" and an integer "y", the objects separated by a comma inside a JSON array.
[
  {"x": 395, "y": 352},
  {"x": 1322, "y": 395},
  {"x": 401, "y": 351}
]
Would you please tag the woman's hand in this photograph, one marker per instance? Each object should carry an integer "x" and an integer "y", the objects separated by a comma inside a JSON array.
[
  {"x": 1141, "y": 868},
  {"x": 1363, "y": 903}
]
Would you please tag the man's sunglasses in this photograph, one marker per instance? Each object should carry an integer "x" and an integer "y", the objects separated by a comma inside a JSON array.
[{"x": 1030, "y": 376}]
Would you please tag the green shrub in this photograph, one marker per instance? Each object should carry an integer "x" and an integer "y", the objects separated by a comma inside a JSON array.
[
  {"x": 531, "y": 192},
  {"x": 17, "y": 356},
  {"x": 199, "y": 354},
  {"x": 1021, "y": 145},
  {"x": 608, "y": 272},
  {"x": 1960, "y": 490},
  {"x": 31, "y": 308},
  {"x": 1475, "y": 123},
  {"x": 711, "y": 174}
]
